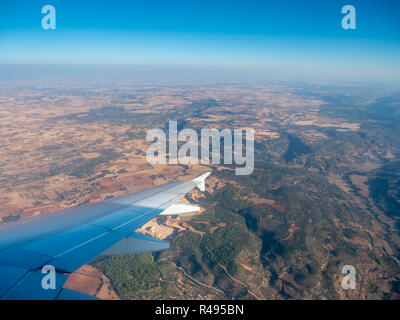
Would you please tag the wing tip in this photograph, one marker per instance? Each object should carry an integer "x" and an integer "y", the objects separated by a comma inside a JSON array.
[{"x": 200, "y": 181}]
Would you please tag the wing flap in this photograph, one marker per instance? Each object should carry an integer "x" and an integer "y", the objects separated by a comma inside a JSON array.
[{"x": 137, "y": 243}]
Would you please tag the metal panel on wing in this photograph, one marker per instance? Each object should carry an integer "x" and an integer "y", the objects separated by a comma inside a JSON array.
[
  {"x": 31, "y": 286},
  {"x": 9, "y": 276},
  {"x": 119, "y": 217},
  {"x": 76, "y": 257},
  {"x": 58, "y": 243}
]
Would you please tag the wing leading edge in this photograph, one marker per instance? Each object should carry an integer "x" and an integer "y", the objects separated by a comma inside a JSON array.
[{"x": 70, "y": 238}]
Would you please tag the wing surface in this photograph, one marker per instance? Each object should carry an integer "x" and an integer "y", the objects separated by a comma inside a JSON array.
[{"x": 70, "y": 238}]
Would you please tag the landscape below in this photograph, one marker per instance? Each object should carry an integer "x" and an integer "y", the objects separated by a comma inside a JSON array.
[{"x": 325, "y": 191}]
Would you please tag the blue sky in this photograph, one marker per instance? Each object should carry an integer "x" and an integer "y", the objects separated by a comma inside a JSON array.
[{"x": 302, "y": 36}]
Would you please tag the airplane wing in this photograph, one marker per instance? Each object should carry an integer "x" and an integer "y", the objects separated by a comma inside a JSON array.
[{"x": 61, "y": 242}]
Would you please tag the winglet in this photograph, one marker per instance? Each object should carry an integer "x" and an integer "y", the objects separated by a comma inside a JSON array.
[{"x": 200, "y": 181}]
